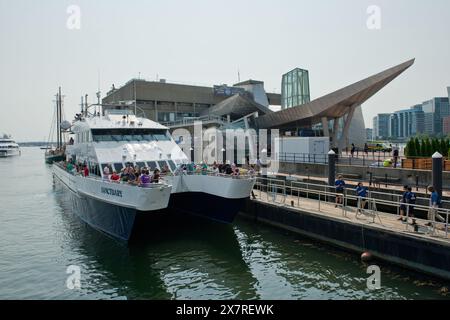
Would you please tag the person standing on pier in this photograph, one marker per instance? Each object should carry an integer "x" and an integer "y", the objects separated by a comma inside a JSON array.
[
  {"x": 395, "y": 156},
  {"x": 361, "y": 192},
  {"x": 411, "y": 200},
  {"x": 403, "y": 207},
  {"x": 339, "y": 185},
  {"x": 435, "y": 202}
]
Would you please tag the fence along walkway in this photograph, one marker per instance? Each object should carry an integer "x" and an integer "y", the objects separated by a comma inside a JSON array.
[{"x": 275, "y": 191}]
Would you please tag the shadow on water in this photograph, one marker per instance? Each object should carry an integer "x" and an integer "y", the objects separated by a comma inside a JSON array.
[{"x": 172, "y": 256}]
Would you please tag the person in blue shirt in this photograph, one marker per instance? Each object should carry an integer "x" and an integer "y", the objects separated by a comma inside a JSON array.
[
  {"x": 361, "y": 192},
  {"x": 435, "y": 201},
  {"x": 403, "y": 207},
  {"x": 339, "y": 187},
  {"x": 411, "y": 200}
]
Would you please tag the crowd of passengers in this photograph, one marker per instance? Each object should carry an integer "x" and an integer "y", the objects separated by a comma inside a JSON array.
[
  {"x": 145, "y": 176},
  {"x": 215, "y": 168}
]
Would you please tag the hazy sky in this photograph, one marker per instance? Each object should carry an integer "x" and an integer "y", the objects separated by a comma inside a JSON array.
[{"x": 206, "y": 42}]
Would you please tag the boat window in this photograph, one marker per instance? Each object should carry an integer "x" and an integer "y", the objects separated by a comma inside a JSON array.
[
  {"x": 118, "y": 166},
  {"x": 172, "y": 165},
  {"x": 148, "y": 137},
  {"x": 130, "y": 134},
  {"x": 161, "y": 136},
  {"x": 152, "y": 165},
  {"x": 141, "y": 164},
  {"x": 161, "y": 164},
  {"x": 93, "y": 169}
]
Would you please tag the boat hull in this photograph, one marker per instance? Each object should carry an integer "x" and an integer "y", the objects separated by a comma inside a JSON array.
[
  {"x": 9, "y": 153},
  {"x": 111, "y": 219},
  {"x": 117, "y": 219},
  {"x": 214, "y": 197},
  {"x": 206, "y": 205}
]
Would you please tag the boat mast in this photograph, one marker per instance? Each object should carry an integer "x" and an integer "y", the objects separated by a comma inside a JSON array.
[{"x": 59, "y": 119}]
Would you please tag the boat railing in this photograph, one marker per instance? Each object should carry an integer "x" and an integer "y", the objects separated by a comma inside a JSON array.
[
  {"x": 281, "y": 191},
  {"x": 109, "y": 181},
  {"x": 215, "y": 174}
]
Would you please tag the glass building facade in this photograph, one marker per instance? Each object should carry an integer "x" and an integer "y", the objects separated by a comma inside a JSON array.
[
  {"x": 435, "y": 111},
  {"x": 381, "y": 126},
  {"x": 295, "y": 88}
]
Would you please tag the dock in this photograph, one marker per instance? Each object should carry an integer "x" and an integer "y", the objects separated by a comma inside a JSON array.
[{"x": 311, "y": 212}]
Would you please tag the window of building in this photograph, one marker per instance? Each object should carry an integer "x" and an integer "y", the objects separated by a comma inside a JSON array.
[{"x": 166, "y": 116}]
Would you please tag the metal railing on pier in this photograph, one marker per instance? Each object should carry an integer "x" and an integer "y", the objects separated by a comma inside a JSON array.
[
  {"x": 278, "y": 191},
  {"x": 375, "y": 159}
]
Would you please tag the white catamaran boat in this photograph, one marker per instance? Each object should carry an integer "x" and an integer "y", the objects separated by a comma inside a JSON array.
[
  {"x": 119, "y": 138},
  {"x": 8, "y": 147},
  {"x": 106, "y": 205}
]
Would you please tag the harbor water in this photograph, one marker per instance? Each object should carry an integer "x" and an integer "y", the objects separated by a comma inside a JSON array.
[{"x": 42, "y": 240}]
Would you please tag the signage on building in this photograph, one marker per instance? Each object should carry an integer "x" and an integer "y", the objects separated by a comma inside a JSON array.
[{"x": 226, "y": 91}]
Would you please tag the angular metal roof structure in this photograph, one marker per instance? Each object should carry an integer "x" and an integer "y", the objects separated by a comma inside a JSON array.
[
  {"x": 236, "y": 106},
  {"x": 333, "y": 105}
]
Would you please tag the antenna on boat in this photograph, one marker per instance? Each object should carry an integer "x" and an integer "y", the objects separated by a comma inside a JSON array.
[
  {"x": 135, "y": 107},
  {"x": 85, "y": 105},
  {"x": 82, "y": 104},
  {"x": 98, "y": 93}
]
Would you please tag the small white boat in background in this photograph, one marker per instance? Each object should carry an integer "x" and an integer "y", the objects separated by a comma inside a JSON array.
[{"x": 8, "y": 147}]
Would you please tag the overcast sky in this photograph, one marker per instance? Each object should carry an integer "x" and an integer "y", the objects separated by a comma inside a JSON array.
[{"x": 206, "y": 42}]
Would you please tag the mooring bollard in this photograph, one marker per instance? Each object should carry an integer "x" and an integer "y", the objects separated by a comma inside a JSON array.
[
  {"x": 331, "y": 167},
  {"x": 437, "y": 173}
]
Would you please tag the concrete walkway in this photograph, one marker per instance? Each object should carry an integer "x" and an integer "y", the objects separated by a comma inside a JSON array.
[{"x": 375, "y": 219}]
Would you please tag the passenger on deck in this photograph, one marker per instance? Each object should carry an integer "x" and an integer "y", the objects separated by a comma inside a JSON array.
[
  {"x": 131, "y": 176},
  {"x": 191, "y": 167},
  {"x": 361, "y": 192},
  {"x": 340, "y": 186},
  {"x": 165, "y": 169},
  {"x": 144, "y": 179},
  {"x": 106, "y": 172},
  {"x": 227, "y": 169},
  {"x": 124, "y": 176},
  {"x": 155, "y": 176},
  {"x": 204, "y": 167},
  {"x": 115, "y": 177},
  {"x": 69, "y": 167},
  {"x": 86, "y": 170}
]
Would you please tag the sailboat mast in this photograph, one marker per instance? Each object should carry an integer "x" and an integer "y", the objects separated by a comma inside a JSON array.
[{"x": 59, "y": 119}]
